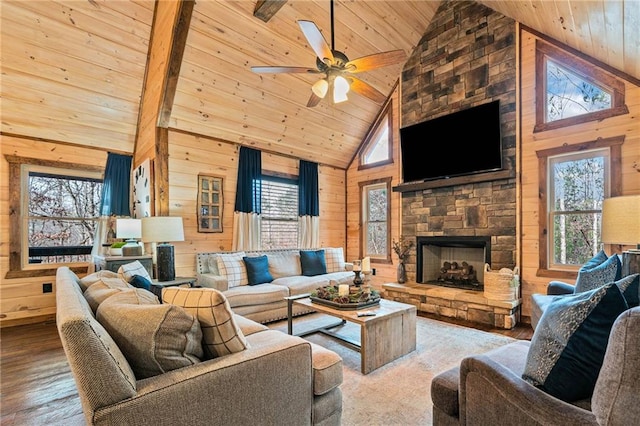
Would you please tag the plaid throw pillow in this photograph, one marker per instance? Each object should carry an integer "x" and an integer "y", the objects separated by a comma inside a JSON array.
[
  {"x": 232, "y": 266},
  {"x": 221, "y": 335},
  {"x": 334, "y": 257},
  {"x": 127, "y": 271}
]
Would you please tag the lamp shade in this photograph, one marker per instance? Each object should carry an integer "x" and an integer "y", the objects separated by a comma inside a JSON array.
[
  {"x": 128, "y": 228},
  {"x": 621, "y": 220},
  {"x": 162, "y": 229}
]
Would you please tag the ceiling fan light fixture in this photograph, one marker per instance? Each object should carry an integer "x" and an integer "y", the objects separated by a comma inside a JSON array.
[
  {"x": 340, "y": 89},
  {"x": 320, "y": 88}
]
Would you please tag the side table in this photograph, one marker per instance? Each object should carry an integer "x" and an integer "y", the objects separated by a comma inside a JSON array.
[{"x": 157, "y": 286}]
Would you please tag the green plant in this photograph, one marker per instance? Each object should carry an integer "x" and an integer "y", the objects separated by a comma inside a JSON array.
[{"x": 118, "y": 244}]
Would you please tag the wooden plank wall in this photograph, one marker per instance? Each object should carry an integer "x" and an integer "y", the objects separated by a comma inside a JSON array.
[
  {"x": 628, "y": 125},
  {"x": 385, "y": 272},
  {"x": 190, "y": 155},
  {"x": 22, "y": 298}
]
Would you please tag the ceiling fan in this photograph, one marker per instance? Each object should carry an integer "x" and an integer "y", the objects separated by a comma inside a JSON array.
[{"x": 338, "y": 70}]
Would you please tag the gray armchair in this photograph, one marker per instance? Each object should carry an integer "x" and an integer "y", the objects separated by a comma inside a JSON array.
[{"x": 488, "y": 389}]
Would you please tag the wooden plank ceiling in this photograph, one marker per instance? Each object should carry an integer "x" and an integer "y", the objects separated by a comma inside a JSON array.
[{"x": 73, "y": 71}]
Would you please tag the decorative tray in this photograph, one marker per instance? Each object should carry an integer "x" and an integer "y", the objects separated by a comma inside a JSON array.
[{"x": 346, "y": 306}]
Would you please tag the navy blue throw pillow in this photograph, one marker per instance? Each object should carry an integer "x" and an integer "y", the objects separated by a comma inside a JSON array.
[
  {"x": 313, "y": 262},
  {"x": 140, "y": 282},
  {"x": 257, "y": 269},
  {"x": 569, "y": 343}
]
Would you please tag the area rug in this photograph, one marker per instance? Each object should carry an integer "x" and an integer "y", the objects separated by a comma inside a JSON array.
[{"x": 399, "y": 393}]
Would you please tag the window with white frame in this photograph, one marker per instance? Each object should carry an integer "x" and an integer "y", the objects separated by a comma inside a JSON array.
[
  {"x": 62, "y": 207},
  {"x": 375, "y": 227},
  {"x": 578, "y": 182},
  {"x": 279, "y": 217}
]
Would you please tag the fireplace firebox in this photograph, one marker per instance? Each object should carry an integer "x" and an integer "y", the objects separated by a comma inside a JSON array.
[{"x": 453, "y": 261}]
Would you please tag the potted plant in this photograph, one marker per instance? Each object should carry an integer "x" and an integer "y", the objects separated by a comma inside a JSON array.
[{"x": 116, "y": 248}]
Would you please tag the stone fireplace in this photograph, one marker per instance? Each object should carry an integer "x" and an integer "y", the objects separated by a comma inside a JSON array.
[{"x": 452, "y": 261}]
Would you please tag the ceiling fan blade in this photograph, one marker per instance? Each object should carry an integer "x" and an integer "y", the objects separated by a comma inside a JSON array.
[
  {"x": 377, "y": 60},
  {"x": 316, "y": 40},
  {"x": 313, "y": 100},
  {"x": 365, "y": 89},
  {"x": 275, "y": 70}
]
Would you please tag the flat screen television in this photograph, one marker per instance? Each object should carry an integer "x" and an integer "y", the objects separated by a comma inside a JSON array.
[{"x": 462, "y": 143}]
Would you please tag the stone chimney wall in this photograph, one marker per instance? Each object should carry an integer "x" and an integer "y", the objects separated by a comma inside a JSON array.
[{"x": 466, "y": 57}]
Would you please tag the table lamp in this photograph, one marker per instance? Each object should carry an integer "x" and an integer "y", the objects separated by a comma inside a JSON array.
[
  {"x": 129, "y": 230},
  {"x": 163, "y": 230},
  {"x": 621, "y": 226}
]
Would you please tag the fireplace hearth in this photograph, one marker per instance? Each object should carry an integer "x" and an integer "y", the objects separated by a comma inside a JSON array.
[{"x": 452, "y": 261}]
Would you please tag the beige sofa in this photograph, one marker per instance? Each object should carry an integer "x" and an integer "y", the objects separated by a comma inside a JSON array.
[
  {"x": 265, "y": 302},
  {"x": 278, "y": 379}
]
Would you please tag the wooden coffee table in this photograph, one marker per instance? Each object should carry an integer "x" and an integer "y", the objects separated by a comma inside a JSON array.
[{"x": 385, "y": 337}]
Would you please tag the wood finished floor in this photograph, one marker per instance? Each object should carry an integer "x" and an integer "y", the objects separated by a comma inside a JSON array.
[{"x": 36, "y": 385}]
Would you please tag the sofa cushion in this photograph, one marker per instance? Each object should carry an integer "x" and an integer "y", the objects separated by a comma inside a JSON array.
[
  {"x": 101, "y": 290},
  {"x": 284, "y": 264},
  {"x": 257, "y": 269},
  {"x": 569, "y": 343},
  {"x": 334, "y": 257},
  {"x": 598, "y": 271},
  {"x": 127, "y": 271},
  {"x": 256, "y": 295},
  {"x": 301, "y": 284},
  {"x": 212, "y": 264},
  {"x": 231, "y": 266},
  {"x": 313, "y": 262},
  {"x": 220, "y": 333},
  {"x": 327, "y": 369},
  {"x": 94, "y": 277},
  {"x": 155, "y": 338}
]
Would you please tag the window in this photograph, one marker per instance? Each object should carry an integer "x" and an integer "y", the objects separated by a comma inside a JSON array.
[
  {"x": 378, "y": 144},
  {"x": 279, "y": 218},
  {"x": 62, "y": 208},
  {"x": 578, "y": 185},
  {"x": 375, "y": 219},
  {"x": 570, "y": 90},
  {"x": 577, "y": 179},
  {"x": 210, "y": 203}
]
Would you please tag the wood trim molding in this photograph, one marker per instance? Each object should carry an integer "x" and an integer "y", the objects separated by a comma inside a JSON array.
[{"x": 266, "y": 9}]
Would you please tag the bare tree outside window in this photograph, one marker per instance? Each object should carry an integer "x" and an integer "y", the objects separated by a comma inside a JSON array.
[
  {"x": 569, "y": 95},
  {"x": 279, "y": 217},
  {"x": 579, "y": 188},
  {"x": 62, "y": 217},
  {"x": 375, "y": 219}
]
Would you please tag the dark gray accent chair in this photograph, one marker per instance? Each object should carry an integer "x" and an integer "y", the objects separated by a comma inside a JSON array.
[{"x": 488, "y": 389}]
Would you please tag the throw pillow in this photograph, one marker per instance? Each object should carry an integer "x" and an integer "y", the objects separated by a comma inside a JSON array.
[
  {"x": 597, "y": 272},
  {"x": 630, "y": 288},
  {"x": 212, "y": 264},
  {"x": 128, "y": 270},
  {"x": 313, "y": 262},
  {"x": 285, "y": 263},
  {"x": 94, "y": 277},
  {"x": 155, "y": 338},
  {"x": 257, "y": 269},
  {"x": 220, "y": 333},
  {"x": 569, "y": 343},
  {"x": 335, "y": 259},
  {"x": 140, "y": 282},
  {"x": 101, "y": 290},
  {"x": 231, "y": 266}
]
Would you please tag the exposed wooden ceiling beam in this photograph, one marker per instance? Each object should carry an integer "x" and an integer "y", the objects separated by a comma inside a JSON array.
[{"x": 266, "y": 9}]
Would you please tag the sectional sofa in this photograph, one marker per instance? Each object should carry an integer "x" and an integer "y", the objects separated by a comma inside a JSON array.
[
  {"x": 189, "y": 360},
  {"x": 256, "y": 282}
]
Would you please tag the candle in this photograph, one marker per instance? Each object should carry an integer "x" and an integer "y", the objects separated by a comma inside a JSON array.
[
  {"x": 343, "y": 290},
  {"x": 356, "y": 265},
  {"x": 366, "y": 264}
]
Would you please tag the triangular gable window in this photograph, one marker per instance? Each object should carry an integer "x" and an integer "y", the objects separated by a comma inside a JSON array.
[
  {"x": 569, "y": 90},
  {"x": 378, "y": 144}
]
